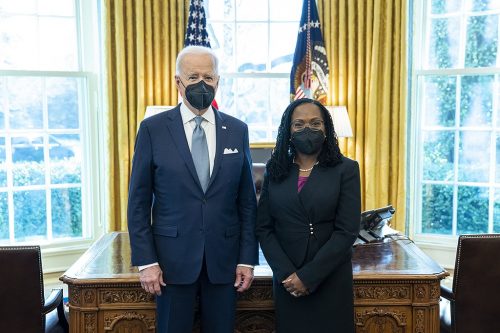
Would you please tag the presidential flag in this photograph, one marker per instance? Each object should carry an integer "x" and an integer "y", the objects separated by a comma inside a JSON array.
[
  {"x": 309, "y": 75},
  {"x": 196, "y": 31}
]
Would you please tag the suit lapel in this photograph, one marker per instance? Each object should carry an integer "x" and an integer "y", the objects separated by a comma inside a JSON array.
[
  {"x": 289, "y": 188},
  {"x": 176, "y": 128},
  {"x": 221, "y": 134}
]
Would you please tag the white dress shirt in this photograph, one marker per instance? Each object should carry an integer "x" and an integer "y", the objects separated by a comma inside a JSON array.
[{"x": 208, "y": 125}]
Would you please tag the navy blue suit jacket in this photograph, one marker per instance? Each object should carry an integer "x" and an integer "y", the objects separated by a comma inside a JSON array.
[{"x": 171, "y": 221}]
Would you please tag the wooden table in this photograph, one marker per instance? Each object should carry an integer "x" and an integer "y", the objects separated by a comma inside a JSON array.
[{"x": 396, "y": 289}]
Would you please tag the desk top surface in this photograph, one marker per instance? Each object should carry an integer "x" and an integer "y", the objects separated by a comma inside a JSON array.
[{"x": 396, "y": 258}]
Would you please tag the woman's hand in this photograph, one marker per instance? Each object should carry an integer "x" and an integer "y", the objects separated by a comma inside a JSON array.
[{"x": 294, "y": 286}]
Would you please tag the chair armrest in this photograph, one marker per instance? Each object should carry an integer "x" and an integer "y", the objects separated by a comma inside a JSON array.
[
  {"x": 54, "y": 299},
  {"x": 447, "y": 293}
]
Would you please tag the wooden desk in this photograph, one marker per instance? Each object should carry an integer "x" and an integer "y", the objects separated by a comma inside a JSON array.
[{"x": 396, "y": 290}]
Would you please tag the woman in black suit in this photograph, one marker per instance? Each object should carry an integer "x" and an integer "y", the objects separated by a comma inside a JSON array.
[{"x": 307, "y": 221}]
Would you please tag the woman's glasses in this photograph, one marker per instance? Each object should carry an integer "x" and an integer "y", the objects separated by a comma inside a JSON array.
[{"x": 315, "y": 125}]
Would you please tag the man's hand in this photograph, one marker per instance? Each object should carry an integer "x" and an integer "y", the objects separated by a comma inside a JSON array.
[
  {"x": 244, "y": 278},
  {"x": 151, "y": 279},
  {"x": 294, "y": 286}
]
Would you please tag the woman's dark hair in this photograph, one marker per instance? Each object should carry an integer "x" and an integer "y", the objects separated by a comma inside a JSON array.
[{"x": 283, "y": 154}]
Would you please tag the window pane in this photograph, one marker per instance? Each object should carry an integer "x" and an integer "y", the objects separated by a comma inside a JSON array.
[
  {"x": 226, "y": 95},
  {"x": 220, "y": 10},
  {"x": 258, "y": 136},
  {"x": 251, "y": 10},
  {"x": 482, "y": 41},
  {"x": 18, "y": 7},
  {"x": 439, "y": 99},
  {"x": 58, "y": 37},
  {"x": 222, "y": 42},
  {"x": 472, "y": 212},
  {"x": 252, "y": 102},
  {"x": 479, "y": 5},
  {"x": 445, "y": 6},
  {"x": 251, "y": 50},
  {"x": 282, "y": 46},
  {"x": 4, "y": 216},
  {"x": 56, "y": 7},
  {"x": 62, "y": 102},
  {"x": 496, "y": 96},
  {"x": 474, "y": 156},
  {"x": 476, "y": 100},
  {"x": 66, "y": 212},
  {"x": 28, "y": 161},
  {"x": 30, "y": 218},
  {"x": 437, "y": 209},
  {"x": 497, "y": 165},
  {"x": 3, "y": 101},
  {"x": 25, "y": 102},
  {"x": 65, "y": 158},
  {"x": 444, "y": 42},
  {"x": 438, "y": 155},
  {"x": 279, "y": 100},
  {"x": 496, "y": 212},
  {"x": 3, "y": 163},
  {"x": 285, "y": 10},
  {"x": 18, "y": 42}
]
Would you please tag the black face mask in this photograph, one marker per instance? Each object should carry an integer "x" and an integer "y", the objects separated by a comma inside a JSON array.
[
  {"x": 308, "y": 141},
  {"x": 200, "y": 95}
]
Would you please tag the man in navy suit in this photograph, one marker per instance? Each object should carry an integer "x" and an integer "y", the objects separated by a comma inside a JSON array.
[{"x": 192, "y": 205}]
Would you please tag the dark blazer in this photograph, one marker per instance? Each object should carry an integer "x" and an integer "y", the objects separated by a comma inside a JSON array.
[
  {"x": 188, "y": 224},
  {"x": 311, "y": 232}
]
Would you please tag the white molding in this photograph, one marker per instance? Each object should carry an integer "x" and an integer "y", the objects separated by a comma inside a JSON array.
[
  {"x": 443, "y": 254},
  {"x": 60, "y": 259}
]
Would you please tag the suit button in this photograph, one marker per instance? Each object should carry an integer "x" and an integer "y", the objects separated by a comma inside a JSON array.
[
  {"x": 204, "y": 201},
  {"x": 312, "y": 233}
]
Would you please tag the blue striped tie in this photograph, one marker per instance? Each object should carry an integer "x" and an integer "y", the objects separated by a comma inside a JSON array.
[{"x": 199, "y": 152}]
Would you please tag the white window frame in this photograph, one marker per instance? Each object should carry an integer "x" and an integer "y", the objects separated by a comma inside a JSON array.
[
  {"x": 441, "y": 247},
  {"x": 57, "y": 256}
]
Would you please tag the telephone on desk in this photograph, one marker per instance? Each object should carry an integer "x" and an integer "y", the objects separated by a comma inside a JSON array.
[{"x": 374, "y": 225}]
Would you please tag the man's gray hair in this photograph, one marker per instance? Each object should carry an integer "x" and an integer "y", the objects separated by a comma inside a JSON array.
[{"x": 195, "y": 49}]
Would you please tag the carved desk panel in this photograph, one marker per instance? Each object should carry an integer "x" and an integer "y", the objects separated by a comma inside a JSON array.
[{"x": 396, "y": 289}]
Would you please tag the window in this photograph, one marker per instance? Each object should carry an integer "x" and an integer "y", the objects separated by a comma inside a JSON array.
[
  {"x": 255, "y": 41},
  {"x": 47, "y": 122},
  {"x": 456, "y": 119}
]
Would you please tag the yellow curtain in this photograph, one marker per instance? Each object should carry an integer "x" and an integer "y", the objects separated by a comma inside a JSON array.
[
  {"x": 365, "y": 42},
  {"x": 142, "y": 39}
]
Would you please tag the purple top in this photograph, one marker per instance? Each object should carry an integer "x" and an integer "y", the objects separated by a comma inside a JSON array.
[{"x": 302, "y": 181}]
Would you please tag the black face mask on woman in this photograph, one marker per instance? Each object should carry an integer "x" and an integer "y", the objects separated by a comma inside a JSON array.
[
  {"x": 308, "y": 141},
  {"x": 200, "y": 95}
]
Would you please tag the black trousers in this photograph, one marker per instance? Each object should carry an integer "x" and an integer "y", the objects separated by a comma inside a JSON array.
[{"x": 175, "y": 307}]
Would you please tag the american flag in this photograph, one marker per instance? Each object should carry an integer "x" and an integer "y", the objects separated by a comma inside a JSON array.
[
  {"x": 309, "y": 75},
  {"x": 196, "y": 31}
]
